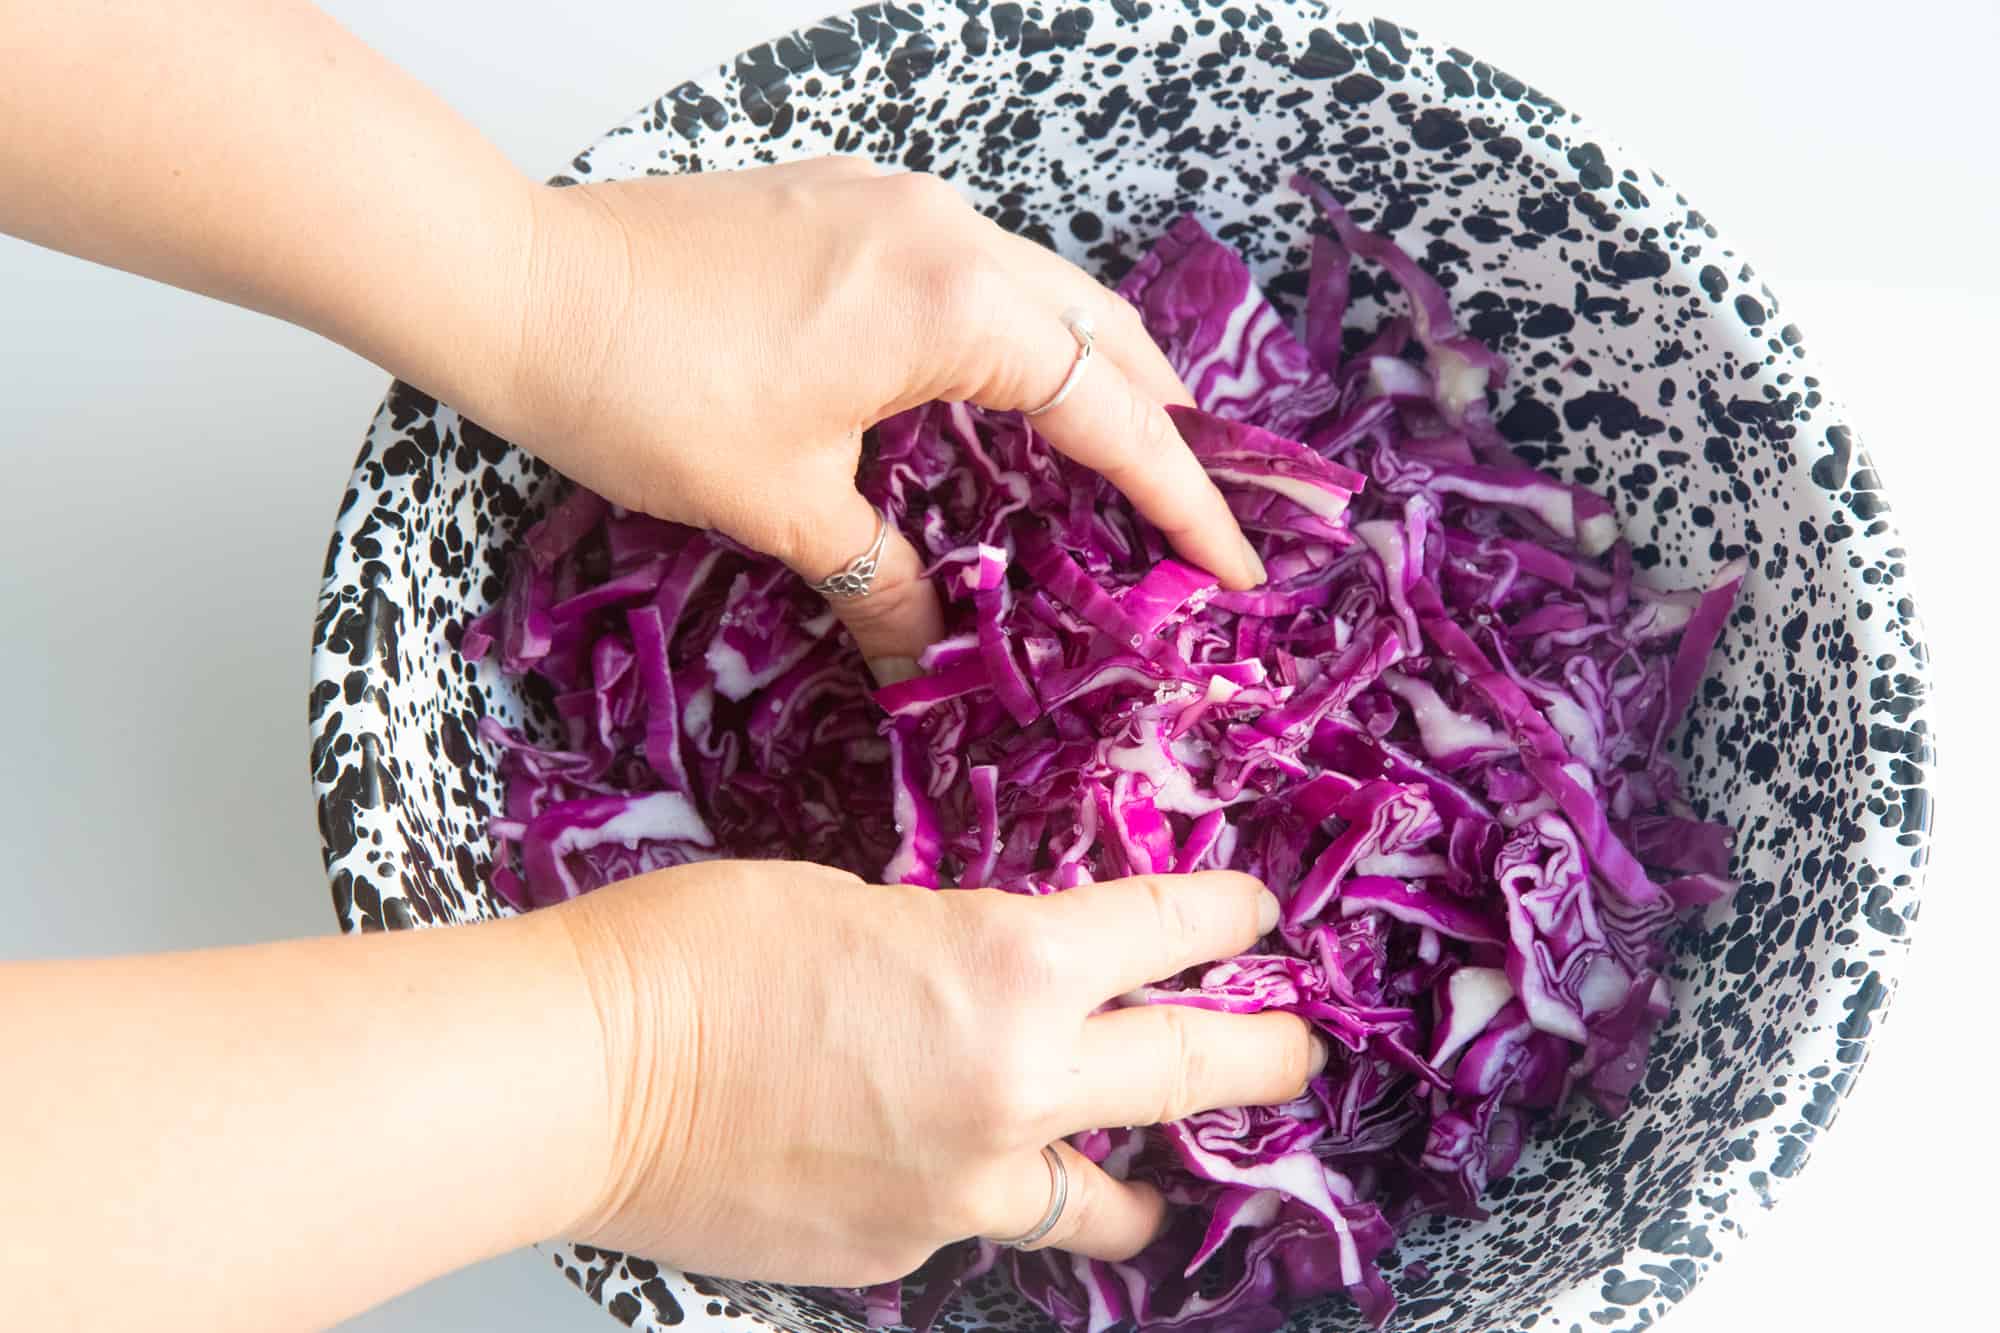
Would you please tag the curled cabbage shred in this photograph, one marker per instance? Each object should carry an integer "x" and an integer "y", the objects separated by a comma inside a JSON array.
[{"x": 1440, "y": 733}]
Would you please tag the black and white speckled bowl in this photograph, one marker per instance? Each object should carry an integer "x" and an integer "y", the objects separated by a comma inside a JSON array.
[{"x": 1649, "y": 363}]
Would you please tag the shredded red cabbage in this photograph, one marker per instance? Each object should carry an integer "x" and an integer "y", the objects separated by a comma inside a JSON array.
[{"x": 1439, "y": 734}]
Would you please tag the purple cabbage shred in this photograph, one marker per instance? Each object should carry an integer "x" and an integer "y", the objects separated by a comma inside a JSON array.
[{"x": 1440, "y": 733}]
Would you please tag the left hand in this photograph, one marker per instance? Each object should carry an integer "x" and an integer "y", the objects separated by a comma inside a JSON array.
[{"x": 817, "y": 1080}]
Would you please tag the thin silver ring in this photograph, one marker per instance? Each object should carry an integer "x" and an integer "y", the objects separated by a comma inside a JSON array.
[
  {"x": 1058, "y": 1196},
  {"x": 859, "y": 575},
  {"x": 1080, "y": 328}
]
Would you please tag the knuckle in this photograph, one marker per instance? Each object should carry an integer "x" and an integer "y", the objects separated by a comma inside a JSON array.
[
  {"x": 1146, "y": 425},
  {"x": 1121, "y": 312},
  {"x": 955, "y": 290},
  {"x": 831, "y": 874},
  {"x": 1155, "y": 433},
  {"x": 1010, "y": 1102},
  {"x": 1182, "y": 1059},
  {"x": 1024, "y": 957},
  {"x": 1174, "y": 922},
  {"x": 1011, "y": 1093},
  {"x": 965, "y": 287},
  {"x": 925, "y": 193},
  {"x": 791, "y": 196},
  {"x": 1128, "y": 453},
  {"x": 1040, "y": 961}
]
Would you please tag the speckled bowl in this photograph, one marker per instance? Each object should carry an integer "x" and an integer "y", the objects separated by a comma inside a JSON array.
[{"x": 1649, "y": 362}]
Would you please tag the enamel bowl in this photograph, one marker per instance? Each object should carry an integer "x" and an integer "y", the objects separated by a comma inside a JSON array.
[{"x": 1649, "y": 362}]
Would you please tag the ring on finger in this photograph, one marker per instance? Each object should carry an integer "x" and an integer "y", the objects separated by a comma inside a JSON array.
[
  {"x": 859, "y": 574},
  {"x": 1058, "y": 1196},
  {"x": 1078, "y": 322}
]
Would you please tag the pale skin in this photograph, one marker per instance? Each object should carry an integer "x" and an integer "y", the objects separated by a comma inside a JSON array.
[{"x": 282, "y": 1135}]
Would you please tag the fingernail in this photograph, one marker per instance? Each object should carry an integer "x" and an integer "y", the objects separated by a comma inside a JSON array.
[
  {"x": 1316, "y": 1062},
  {"x": 1267, "y": 912},
  {"x": 1256, "y": 565},
  {"x": 892, "y": 670}
]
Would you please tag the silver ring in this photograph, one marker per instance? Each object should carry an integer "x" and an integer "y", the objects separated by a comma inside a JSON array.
[
  {"x": 1080, "y": 328},
  {"x": 859, "y": 576},
  {"x": 1058, "y": 1196}
]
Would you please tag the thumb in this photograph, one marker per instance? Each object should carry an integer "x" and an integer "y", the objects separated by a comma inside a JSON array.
[{"x": 898, "y": 616}]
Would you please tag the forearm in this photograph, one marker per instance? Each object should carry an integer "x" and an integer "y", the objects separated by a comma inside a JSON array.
[
  {"x": 282, "y": 1135},
  {"x": 254, "y": 151}
]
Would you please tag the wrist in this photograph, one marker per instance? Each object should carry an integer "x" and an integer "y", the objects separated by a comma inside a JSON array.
[
  {"x": 642, "y": 1015},
  {"x": 439, "y": 305},
  {"x": 554, "y": 1100},
  {"x": 569, "y": 284}
]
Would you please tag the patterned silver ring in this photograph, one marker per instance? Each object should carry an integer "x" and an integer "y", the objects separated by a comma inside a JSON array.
[
  {"x": 1058, "y": 1196},
  {"x": 859, "y": 575},
  {"x": 1080, "y": 328}
]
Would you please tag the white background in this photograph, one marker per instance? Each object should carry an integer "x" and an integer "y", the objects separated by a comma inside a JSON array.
[{"x": 171, "y": 469}]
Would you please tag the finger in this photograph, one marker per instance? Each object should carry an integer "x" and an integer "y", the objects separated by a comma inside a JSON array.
[
  {"x": 1125, "y": 933},
  {"x": 1127, "y": 438},
  {"x": 899, "y": 617},
  {"x": 1152, "y": 1063},
  {"x": 1102, "y": 1217},
  {"x": 1121, "y": 334}
]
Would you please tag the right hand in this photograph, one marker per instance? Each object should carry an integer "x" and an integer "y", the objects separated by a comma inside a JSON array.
[
  {"x": 709, "y": 348},
  {"x": 817, "y": 1080}
]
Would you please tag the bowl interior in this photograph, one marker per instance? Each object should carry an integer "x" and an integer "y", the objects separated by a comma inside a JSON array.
[{"x": 1648, "y": 362}]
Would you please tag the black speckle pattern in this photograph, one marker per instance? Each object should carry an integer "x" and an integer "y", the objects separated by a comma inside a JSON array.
[{"x": 1648, "y": 362}]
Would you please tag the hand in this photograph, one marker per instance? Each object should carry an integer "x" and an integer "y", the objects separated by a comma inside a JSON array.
[
  {"x": 818, "y": 1080},
  {"x": 710, "y": 348}
]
